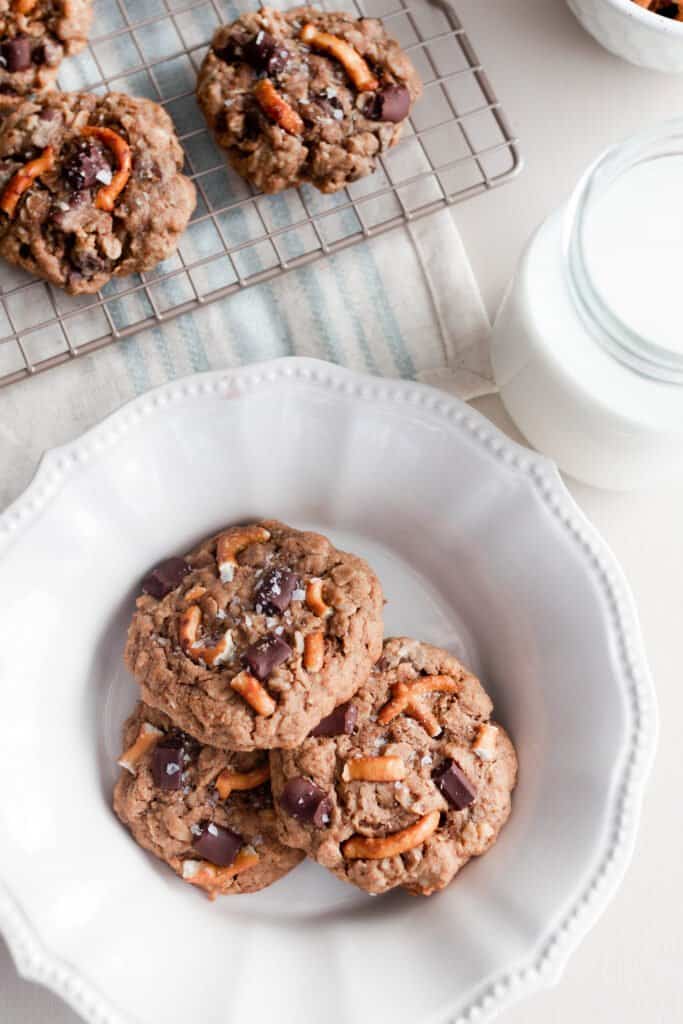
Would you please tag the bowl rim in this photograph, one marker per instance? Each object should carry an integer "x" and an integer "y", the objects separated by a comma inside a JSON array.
[
  {"x": 646, "y": 16},
  {"x": 542, "y": 967}
]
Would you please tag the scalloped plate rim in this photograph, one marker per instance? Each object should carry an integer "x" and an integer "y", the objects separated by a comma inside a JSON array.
[{"x": 543, "y": 967}]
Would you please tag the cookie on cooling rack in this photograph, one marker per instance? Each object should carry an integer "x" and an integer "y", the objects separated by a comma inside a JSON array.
[
  {"x": 305, "y": 95},
  {"x": 34, "y": 37},
  {"x": 256, "y": 635},
  {"x": 90, "y": 188},
  {"x": 406, "y": 782},
  {"x": 207, "y": 813}
]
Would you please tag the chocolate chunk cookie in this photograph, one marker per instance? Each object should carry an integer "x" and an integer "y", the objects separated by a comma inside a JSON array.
[
  {"x": 256, "y": 635},
  {"x": 305, "y": 95},
  {"x": 90, "y": 188},
  {"x": 34, "y": 37},
  {"x": 404, "y": 784},
  {"x": 207, "y": 813}
]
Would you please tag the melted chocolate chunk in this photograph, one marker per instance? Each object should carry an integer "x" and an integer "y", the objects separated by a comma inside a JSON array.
[
  {"x": 455, "y": 785},
  {"x": 306, "y": 802},
  {"x": 391, "y": 103},
  {"x": 274, "y": 593},
  {"x": 165, "y": 577},
  {"x": 168, "y": 762},
  {"x": 252, "y": 125},
  {"x": 669, "y": 10},
  {"x": 82, "y": 166},
  {"x": 264, "y": 656},
  {"x": 16, "y": 53},
  {"x": 216, "y": 844},
  {"x": 265, "y": 54},
  {"x": 341, "y": 721}
]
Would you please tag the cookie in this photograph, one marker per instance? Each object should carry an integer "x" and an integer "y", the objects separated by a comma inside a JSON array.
[
  {"x": 207, "y": 813},
  {"x": 34, "y": 37},
  {"x": 90, "y": 188},
  {"x": 256, "y": 635},
  {"x": 305, "y": 95},
  {"x": 405, "y": 783}
]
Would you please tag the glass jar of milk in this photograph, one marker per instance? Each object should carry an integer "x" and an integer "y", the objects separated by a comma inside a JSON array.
[{"x": 588, "y": 345}]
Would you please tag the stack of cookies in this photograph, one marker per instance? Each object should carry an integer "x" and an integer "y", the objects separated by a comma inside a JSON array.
[{"x": 275, "y": 723}]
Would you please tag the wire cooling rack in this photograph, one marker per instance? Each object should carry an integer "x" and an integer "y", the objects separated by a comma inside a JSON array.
[{"x": 457, "y": 145}]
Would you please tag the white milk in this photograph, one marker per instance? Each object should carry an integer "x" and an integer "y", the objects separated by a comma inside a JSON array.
[
  {"x": 574, "y": 400},
  {"x": 634, "y": 249}
]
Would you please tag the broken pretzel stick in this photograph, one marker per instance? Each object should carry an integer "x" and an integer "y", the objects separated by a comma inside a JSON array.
[
  {"x": 314, "y": 651},
  {"x": 352, "y": 62},
  {"x": 188, "y": 630},
  {"x": 107, "y": 196},
  {"x": 404, "y": 700},
  {"x": 217, "y": 880},
  {"x": 24, "y": 178},
  {"x": 148, "y": 736},
  {"x": 229, "y": 782},
  {"x": 484, "y": 745},
  {"x": 315, "y": 600},
  {"x": 366, "y": 848},
  {"x": 374, "y": 769},
  {"x": 231, "y": 543},
  {"x": 277, "y": 108},
  {"x": 255, "y": 695},
  {"x": 23, "y": 6}
]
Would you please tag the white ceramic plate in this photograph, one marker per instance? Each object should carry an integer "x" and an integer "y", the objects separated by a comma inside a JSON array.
[{"x": 480, "y": 549}]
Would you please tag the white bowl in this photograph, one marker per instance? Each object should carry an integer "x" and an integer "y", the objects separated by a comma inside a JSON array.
[
  {"x": 632, "y": 32},
  {"x": 480, "y": 549}
]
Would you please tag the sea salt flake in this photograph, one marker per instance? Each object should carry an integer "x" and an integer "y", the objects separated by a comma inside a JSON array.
[
  {"x": 195, "y": 830},
  {"x": 427, "y": 759},
  {"x": 212, "y": 830},
  {"x": 299, "y": 594},
  {"x": 279, "y": 630},
  {"x": 172, "y": 768},
  {"x": 105, "y": 176},
  {"x": 338, "y": 114}
]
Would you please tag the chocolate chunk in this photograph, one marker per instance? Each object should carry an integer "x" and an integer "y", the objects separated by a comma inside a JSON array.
[
  {"x": 306, "y": 802},
  {"x": 216, "y": 844},
  {"x": 341, "y": 721},
  {"x": 39, "y": 55},
  {"x": 165, "y": 577},
  {"x": 264, "y": 656},
  {"x": 455, "y": 785},
  {"x": 391, "y": 103},
  {"x": 168, "y": 762},
  {"x": 669, "y": 10},
  {"x": 82, "y": 167},
  {"x": 16, "y": 53},
  {"x": 274, "y": 592},
  {"x": 265, "y": 54}
]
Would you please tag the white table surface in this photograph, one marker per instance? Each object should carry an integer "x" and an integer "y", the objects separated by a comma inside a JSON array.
[{"x": 568, "y": 99}]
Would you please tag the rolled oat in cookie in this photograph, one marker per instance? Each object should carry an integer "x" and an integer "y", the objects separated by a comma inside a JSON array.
[
  {"x": 405, "y": 782},
  {"x": 256, "y": 635},
  {"x": 90, "y": 188},
  {"x": 207, "y": 813},
  {"x": 35, "y": 35},
  {"x": 305, "y": 95}
]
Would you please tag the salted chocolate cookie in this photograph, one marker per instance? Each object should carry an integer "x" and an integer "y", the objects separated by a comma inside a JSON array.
[
  {"x": 90, "y": 188},
  {"x": 403, "y": 784},
  {"x": 256, "y": 635},
  {"x": 34, "y": 37},
  {"x": 207, "y": 813},
  {"x": 305, "y": 95}
]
